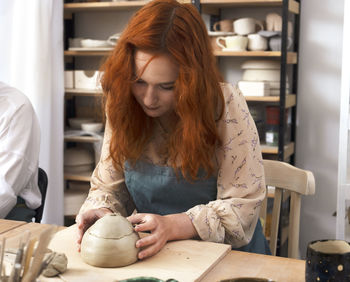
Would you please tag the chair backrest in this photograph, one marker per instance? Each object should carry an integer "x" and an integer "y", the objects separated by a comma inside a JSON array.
[
  {"x": 42, "y": 183},
  {"x": 285, "y": 177}
]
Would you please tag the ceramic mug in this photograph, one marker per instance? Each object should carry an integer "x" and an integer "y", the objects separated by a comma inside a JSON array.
[
  {"x": 257, "y": 42},
  {"x": 224, "y": 25},
  {"x": 246, "y": 26},
  {"x": 327, "y": 260},
  {"x": 213, "y": 43},
  {"x": 112, "y": 40},
  {"x": 233, "y": 43}
]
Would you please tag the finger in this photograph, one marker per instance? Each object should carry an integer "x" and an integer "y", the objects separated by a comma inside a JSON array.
[
  {"x": 150, "y": 251},
  {"x": 80, "y": 235},
  {"x": 145, "y": 226},
  {"x": 146, "y": 241},
  {"x": 136, "y": 218},
  {"x": 86, "y": 220}
]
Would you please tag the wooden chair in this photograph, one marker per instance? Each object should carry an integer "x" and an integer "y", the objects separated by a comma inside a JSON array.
[{"x": 285, "y": 177}]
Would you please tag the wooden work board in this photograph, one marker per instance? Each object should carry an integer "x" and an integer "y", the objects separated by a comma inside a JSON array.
[{"x": 185, "y": 260}]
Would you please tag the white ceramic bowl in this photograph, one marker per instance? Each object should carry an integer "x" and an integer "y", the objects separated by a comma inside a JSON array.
[
  {"x": 261, "y": 75},
  {"x": 94, "y": 127},
  {"x": 261, "y": 65},
  {"x": 76, "y": 123},
  {"x": 92, "y": 43}
]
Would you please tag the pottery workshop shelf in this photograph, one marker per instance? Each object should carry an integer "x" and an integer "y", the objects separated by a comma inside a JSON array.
[
  {"x": 122, "y": 5},
  {"x": 290, "y": 99},
  {"x": 292, "y": 57},
  {"x": 81, "y": 139},
  {"x": 273, "y": 150},
  {"x": 103, "y": 6},
  {"x": 86, "y": 53},
  {"x": 293, "y": 6},
  {"x": 83, "y": 176},
  {"x": 82, "y": 92},
  {"x": 106, "y": 6}
]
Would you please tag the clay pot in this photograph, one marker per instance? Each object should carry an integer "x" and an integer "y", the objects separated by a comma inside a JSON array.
[
  {"x": 327, "y": 260},
  {"x": 110, "y": 242}
]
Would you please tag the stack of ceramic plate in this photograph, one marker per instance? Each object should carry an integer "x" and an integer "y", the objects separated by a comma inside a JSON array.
[
  {"x": 260, "y": 78},
  {"x": 78, "y": 160}
]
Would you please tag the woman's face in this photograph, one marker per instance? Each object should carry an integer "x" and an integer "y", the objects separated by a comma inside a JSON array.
[{"x": 154, "y": 88}]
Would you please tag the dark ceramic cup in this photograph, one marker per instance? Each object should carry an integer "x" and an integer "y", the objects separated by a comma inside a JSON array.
[{"x": 327, "y": 260}]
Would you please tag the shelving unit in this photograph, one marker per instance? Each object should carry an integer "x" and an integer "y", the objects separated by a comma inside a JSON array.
[
  {"x": 289, "y": 62},
  {"x": 72, "y": 13}
]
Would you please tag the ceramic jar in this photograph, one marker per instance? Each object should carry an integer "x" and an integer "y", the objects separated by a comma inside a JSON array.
[
  {"x": 257, "y": 42},
  {"x": 328, "y": 260},
  {"x": 110, "y": 242},
  {"x": 275, "y": 43},
  {"x": 245, "y": 26}
]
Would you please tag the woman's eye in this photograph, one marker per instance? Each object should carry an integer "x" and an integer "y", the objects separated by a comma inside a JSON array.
[
  {"x": 140, "y": 81},
  {"x": 167, "y": 87}
]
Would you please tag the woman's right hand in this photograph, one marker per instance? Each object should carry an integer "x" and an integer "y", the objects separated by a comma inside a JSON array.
[{"x": 88, "y": 218}]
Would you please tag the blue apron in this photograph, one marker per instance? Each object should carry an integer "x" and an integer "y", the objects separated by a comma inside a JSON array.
[{"x": 157, "y": 189}]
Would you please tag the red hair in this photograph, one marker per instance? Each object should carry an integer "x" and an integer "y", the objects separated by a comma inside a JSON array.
[{"x": 166, "y": 27}]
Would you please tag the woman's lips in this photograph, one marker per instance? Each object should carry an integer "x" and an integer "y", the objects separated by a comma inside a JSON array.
[{"x": 151, "y": 109}]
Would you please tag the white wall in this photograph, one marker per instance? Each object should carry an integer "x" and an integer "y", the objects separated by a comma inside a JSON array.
[{"x": 318, "y": 113}]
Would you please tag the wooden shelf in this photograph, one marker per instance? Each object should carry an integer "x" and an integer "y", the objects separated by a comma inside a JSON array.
[
  {"x": 81, "y": 139},
  {"x": 293, "y": 5},
  {"x": 83, "y": 176},
  {"x": 68, "y": 53},
  {"x": 103, "y": 6},
  {"x": 83, "y": 92},
  {"x": 106, "y": 6},
  {"x": 292, "y": 57},
  {"x": 273, "y": 150},
  {"x": 131, "y": 5},
  {"x": 290, "y": 99}
]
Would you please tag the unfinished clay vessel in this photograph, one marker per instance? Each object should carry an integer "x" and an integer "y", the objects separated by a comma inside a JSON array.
[{"x": 110, "y": 242}]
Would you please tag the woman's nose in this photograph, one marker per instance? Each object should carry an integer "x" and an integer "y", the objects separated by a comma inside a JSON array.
[{"x": 150, "y": 98}]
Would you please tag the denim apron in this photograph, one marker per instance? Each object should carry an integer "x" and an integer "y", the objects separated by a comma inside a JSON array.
[{"x": 157, "y": 189}]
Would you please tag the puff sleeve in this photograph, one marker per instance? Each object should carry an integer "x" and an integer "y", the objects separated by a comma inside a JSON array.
[
  {"x": 240, "y": 183},
  {"x": 108, "y": 189}
]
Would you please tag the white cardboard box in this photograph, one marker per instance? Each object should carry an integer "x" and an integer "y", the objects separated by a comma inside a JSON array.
[
  {"x": 254, "y": 88},
  {"x": 87, "y": 79}
]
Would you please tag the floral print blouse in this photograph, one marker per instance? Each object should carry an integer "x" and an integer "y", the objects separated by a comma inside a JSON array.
[{"x": 232, "y": 217}]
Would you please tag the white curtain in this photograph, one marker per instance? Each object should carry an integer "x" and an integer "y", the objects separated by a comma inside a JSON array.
[{"x": 31, "y": 59}]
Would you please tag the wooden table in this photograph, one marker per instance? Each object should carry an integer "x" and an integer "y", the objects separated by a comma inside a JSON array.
[{"x": 234, "y": 264}]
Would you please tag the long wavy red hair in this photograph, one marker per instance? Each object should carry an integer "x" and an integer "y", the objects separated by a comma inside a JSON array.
[{"x": 166, "y": 27}]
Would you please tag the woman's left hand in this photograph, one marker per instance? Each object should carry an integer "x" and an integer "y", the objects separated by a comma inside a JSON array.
[{"x": 162, "y": 229}]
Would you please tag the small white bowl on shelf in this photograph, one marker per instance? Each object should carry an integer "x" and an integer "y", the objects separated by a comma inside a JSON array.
[
  {"x": 76, "y": 123},
  {"x": 94, "y": 127},
  {"x": 93, "y": 43}
]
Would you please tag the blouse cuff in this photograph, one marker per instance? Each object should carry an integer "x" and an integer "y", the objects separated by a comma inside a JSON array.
[{"x": 207, "y": 224}]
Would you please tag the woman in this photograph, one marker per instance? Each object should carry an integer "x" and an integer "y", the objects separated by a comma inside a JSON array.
[{"x": 180, "y": 148}]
